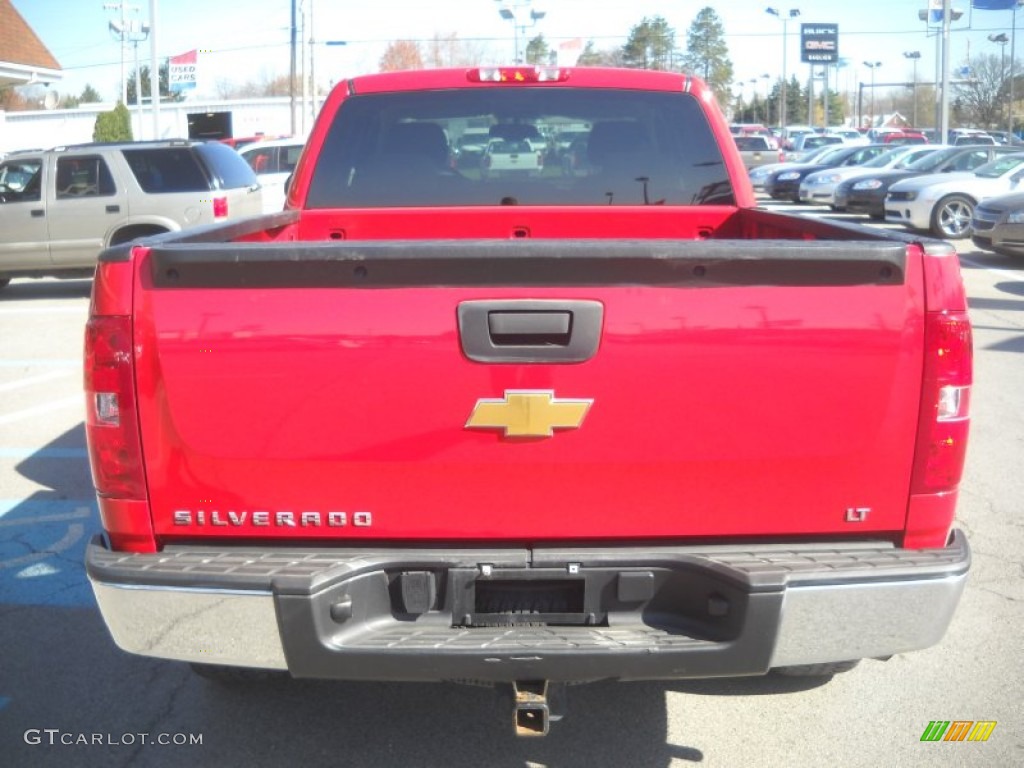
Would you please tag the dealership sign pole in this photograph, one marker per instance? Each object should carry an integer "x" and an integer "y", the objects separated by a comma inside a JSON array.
[{"x": 819, "y": 44}]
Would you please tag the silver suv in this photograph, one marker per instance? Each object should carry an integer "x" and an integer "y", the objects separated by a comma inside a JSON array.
[{"x": 60, "y": 207}]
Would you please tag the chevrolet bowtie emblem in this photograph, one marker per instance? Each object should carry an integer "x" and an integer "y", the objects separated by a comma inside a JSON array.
[{"x": 528, "y": 413}]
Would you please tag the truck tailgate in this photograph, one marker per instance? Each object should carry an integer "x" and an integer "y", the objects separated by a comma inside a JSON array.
[{"x": 736, "y": 389}]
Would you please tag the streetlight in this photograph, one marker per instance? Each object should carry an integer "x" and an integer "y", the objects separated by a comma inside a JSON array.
[
  {"x": 913, "y": 56},
  {"x": 1013, "y": 42},
  {"x": 767, "y": 104},
  {"x": 508, "y": 11},
  {"x": 792, "y": 14},
  {"x": 872, "y": 65},
  {"x": 1002, "y": 38}
]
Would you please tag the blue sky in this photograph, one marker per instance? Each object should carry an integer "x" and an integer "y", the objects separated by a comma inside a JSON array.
[{"x": 248, "y": 40}]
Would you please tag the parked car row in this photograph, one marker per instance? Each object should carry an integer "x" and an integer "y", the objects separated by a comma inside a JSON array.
[
  {"x": 784, "y": 183},
  {"x": 819, "y": 188},
  {"x": 944, "y": 204},
  {"x": 933, "y": 188}
]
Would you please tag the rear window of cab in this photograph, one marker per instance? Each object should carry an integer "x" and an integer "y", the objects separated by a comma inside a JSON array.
[{"x": 399, "y": 149}]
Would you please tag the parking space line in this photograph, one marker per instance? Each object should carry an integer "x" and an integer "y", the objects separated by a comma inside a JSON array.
[
  {"x": 45, "y": 506},
  {"x": 29, "y": 362},
  {"x": 43, "y": 453},
  {"x": 33, "y": 380},
  {"x": 73, "y": 535},
  {"x": 77, "y": 514},
  {"x": 1001, "y": 272},
  {"x": 36, "y": 410},
  {"x": 84, "y": 310}
]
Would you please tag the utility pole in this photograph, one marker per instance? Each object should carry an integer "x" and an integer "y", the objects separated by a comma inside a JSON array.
[
  {"x": 914, "y": 56},
  {"x": 944, "y": 103},
  {"x": 294, "y": 65},
  {"x": 120, "y": 29},
  {"x": 154, "y": 70}
]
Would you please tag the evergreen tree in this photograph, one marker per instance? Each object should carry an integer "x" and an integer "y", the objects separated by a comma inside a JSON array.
[
  {"x": 537, "y": 51},
  {"x": 115, "y": 125},
  {"x": 89, "y": 95},
  {"x": 165, "y": 93},
  {"x": 650, "y": 45},
  {"x": 707, "y": 55}
]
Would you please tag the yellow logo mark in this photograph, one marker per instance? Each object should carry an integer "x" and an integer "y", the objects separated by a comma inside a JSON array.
[{"x": 528, "y": 413}]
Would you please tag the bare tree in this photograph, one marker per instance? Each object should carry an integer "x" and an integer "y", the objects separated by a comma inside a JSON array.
[
  {"x": 401, "y": 54},
  {"x": 279, "y": 85},
  {"x": 592, "y": 57},
  {"x": 448, "y": 51},
  {"x": 979, "y": 101}
]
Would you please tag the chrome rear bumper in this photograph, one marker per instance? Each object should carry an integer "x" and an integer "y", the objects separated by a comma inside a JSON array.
[{"x": 644, "y": 613}]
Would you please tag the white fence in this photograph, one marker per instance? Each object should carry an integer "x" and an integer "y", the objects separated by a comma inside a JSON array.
[{"x": 58, "y": 127}]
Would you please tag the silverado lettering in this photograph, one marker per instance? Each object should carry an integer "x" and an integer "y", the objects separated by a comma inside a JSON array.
[
  {"x": 737, "y": 390},
  {"x": 202, "y": 517}
]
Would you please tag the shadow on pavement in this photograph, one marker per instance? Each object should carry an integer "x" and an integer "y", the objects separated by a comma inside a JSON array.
[{"x": 22, "y": 290}]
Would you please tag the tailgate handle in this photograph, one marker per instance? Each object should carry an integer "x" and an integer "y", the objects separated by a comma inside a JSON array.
[
  {"x": 530, "y": 330},
  {"x": 520, "y": 327}
]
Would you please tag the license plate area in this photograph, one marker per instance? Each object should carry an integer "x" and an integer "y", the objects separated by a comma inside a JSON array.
[{"x": 542, "y": 598}]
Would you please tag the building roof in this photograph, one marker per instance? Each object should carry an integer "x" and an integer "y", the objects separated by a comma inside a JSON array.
[{"x": 23, "y": 57}]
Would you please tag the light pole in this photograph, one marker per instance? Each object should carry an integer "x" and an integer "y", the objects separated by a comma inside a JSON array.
[
  {"x": 509, "y": 12},
  {"x": 767, "y": 105},
  {"x": 914, "y": 56},
  {"x": 1013, "y": 42},
  {"x": 872, "y": 65},
  {"x": 792, "y": 13},
  {"x": 1002, "y": 38}
]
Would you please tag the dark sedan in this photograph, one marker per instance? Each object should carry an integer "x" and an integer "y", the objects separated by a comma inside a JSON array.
[
  {"x": 784, "y": 184},
  {"x": 998, "y": 224},
  {"x": 866, "y": 194}
]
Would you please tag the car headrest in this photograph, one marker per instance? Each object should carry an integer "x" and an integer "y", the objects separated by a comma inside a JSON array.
[
  {"x": 619, "y": 137},
  {"x": 425, "y": 139}
]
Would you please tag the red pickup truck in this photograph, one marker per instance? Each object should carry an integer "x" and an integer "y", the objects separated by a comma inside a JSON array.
[{"x": 430, "y": 425}]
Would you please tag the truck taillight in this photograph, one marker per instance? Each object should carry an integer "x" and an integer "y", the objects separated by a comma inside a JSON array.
[
  {"x": 945, "y": 405},
  {"x": 220, "y": 207},
  {"x": 112, "y": 431}
]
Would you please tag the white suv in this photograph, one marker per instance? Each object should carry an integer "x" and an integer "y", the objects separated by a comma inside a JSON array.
[{"x": 60, "y": 207}]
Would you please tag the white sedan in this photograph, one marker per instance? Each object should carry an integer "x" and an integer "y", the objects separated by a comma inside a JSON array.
[
  {"x": 943, "y": 203},
  {"x": 273, "y": 160},
  {"x": 819, "y": 188}
]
